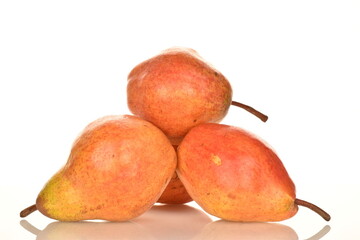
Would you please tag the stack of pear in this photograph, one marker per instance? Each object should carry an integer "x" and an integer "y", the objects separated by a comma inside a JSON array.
[{"x": 172, "y": 151}]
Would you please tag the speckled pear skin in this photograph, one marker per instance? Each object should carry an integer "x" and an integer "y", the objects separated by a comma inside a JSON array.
[
  {"x": 175, "y": 192},
  {"x": 234, "y": 175},
  {"x": 117, "y": 169},
  {"x": 177, "y": 90}
]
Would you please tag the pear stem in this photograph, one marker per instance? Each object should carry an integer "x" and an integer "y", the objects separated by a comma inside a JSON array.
[
  {"x": 313, "y": 207},
  {"x": 27, "y": 211},
  {"x": 255, "y": 112}
]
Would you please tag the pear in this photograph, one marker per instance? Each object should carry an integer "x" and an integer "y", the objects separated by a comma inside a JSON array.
[
  {"x": 234, "y": 175},
  {"x": 177, "y": 90},
  {"x": 117, "y": 169},
  {"x": 175, "y": 192}
]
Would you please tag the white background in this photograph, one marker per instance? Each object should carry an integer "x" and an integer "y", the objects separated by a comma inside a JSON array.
[{"x": 64, "y": 64}]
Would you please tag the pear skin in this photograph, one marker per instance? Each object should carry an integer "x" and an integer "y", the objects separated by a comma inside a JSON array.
[
  {"x": 235, "y": 176},
  {"x": 177, "y": 90},
  {"x": 175, "y": 192},
  {"x": 117, "y": 169}
]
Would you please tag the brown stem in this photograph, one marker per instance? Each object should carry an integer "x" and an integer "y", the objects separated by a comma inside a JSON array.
[
  {"x": 255, "y": 112},
  {"x": 313, "y": 207},
  {"x": 27, "y": 211}
]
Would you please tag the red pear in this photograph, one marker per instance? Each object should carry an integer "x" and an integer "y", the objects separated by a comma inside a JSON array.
[
  {"x": 177, "y": 90},
  {"x": 234, "y": 175}
]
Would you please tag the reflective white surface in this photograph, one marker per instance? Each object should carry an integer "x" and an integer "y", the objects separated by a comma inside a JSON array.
[
  {"x": 166, "y": 222},
  {"x": 189, "y": 221},
  {"x": 130, "y": 230}
]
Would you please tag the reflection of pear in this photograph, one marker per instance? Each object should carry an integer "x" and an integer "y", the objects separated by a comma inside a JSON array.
[
  {"x": 173, "y": 221},
  {"x": 246, "y": 231},
  {"x": 89, "y": 230}
]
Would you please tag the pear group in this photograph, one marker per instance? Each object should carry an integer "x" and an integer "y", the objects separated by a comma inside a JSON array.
[{"x": 172, "y": 150}]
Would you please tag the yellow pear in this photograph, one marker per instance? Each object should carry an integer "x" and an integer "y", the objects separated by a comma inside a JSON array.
[{"x": 117, "y": 169}]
